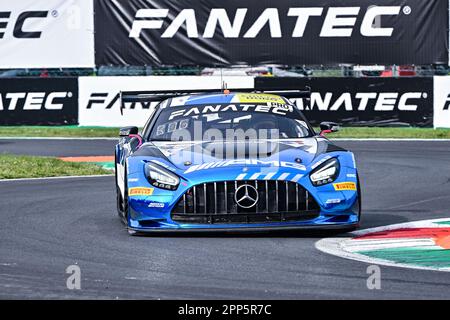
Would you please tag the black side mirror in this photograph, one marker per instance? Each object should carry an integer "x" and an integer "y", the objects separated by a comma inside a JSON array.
[
  {"x": 328, "y": 127},
  {"x": 126, "y": 131}
]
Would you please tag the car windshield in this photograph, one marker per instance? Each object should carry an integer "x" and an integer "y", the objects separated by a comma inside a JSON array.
[{"x": 229, "y": 121}]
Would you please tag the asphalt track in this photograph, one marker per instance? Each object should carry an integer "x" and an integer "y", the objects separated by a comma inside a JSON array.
[{"x": 48, "y": 225}]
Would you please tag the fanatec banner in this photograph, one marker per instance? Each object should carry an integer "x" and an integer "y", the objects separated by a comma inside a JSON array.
[
  {"x": 363, "y": 102},
  {"x": 46, "y": 34},
  {"x": 38, "y": 101},
  {"x": 213, "y": 32}
]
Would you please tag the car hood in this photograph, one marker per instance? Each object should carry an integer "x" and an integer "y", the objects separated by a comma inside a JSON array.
[{"x": 185, "y": 155}]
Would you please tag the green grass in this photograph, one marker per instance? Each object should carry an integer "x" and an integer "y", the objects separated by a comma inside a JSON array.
[
  {"x": 13, "y": 167},
  {"x": 411, "y": 133},
  {"x": 354, "y": 132},
  {"x": 57, "y": 131}
]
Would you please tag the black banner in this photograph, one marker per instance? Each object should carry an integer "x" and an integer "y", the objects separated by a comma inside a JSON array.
[
  {"x": 38, "y": 101},
  {"x": 295, "y": 32},
  {"x": 363, "y": 101}
]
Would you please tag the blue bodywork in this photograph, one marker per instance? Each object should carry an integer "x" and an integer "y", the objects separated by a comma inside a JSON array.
[{"x": 338, "y": 209}]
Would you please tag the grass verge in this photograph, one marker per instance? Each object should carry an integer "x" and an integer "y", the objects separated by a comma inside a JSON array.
[
  {"x": 14, "y": 167},
  {"x": 96, "y": 132},
  {"x": 400, "y": 133},
  {"x": 58, "y": 131}
]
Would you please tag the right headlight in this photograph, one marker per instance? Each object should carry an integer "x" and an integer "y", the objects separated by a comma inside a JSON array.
[
  {"x": 160, "y": 177},
  {"x": 325, "y": 173}
]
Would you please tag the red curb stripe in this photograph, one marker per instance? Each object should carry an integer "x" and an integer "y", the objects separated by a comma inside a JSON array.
[{"x": 441, "y": 236}]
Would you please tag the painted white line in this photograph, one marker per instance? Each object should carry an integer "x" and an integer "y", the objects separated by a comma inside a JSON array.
[
  {"x": 58, "y": 138},
  {"x": 390, "y": 139},
  {"x": 335, "y": 139},
  {"x": 56, "y": 178}
]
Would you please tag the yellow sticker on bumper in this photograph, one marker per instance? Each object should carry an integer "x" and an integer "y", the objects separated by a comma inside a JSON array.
[
  {"x": 140, "y": 191},
  {"x": 345, "y": 186},
  {"x": 259, "y": 98}
]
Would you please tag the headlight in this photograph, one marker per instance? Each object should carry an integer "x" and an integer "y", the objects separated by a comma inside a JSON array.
[
  {"x": 160, "y": 177},
  {"x": 325, "y": 173}
]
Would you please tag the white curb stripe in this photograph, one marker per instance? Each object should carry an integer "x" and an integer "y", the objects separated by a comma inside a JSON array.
[{"x": 346, "y": 247}]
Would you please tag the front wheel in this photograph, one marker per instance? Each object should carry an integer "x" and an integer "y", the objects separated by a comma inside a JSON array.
[
  {"x": 359, "y": 197},
  {"x": 122, "y": 201}
]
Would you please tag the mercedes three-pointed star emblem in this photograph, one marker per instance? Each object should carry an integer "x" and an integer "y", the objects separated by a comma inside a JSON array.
[{"x": 246, "y": 196}]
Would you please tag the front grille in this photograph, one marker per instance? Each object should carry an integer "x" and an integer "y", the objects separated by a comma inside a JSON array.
[{"x": 212, "y": 203}]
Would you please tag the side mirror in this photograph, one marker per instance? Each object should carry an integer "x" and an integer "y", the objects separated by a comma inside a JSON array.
[
  {"x": 127, "y": 131},
  {"x": 328, "y": 127}
]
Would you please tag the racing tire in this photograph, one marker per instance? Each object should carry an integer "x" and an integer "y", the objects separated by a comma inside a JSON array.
[
  {"x": 122, "y": 202},
  {"x": 359, "y": 197}
]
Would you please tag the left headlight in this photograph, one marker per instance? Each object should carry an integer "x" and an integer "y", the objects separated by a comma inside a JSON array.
[
  {"x": 325, "y": 173},
  {"x": 160, "y": 177}
]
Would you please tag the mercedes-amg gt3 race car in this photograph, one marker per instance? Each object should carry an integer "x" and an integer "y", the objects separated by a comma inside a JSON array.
[{"x": 232, "y": 161}]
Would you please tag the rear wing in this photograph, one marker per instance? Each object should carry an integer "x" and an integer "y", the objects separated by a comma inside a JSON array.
[{"x": 158, "y": 96}]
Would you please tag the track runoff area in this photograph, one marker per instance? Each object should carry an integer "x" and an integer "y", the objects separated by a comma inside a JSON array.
[{"x": 400, "y": 251}]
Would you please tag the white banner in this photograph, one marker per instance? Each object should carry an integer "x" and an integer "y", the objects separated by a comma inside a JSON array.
[
  {"x": 99, "y": 99},
  {"x": 442, "y": 102},
  {"x": 46, "y": 34}
]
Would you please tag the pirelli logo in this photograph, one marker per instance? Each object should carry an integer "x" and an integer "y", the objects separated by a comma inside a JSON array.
[
  {"x": 345, "y": 186},
  {"x": 140, "y": 191}
]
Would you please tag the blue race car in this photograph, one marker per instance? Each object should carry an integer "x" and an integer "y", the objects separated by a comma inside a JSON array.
[{"x": 225, "y": 160}]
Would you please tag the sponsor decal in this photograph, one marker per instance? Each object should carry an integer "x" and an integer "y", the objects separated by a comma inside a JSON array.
[
  {"x": 251, "y": 33},
  {"x": 18, "y": 24},
  {"x": 34, "y": 100},
  {"x": 418, "y": 245},
  {"x": 100, "y": 96},
  {"x": 344, "y": 186},
  {"x": 333, "y": 201},
  {"x": 360, "y": 101},
  {"x": 259, "y": 98},
  {"x": 156, "y": 205},
  {"x": 245, "y": 162},
  {"x": 441, "y": 102},
  {"x": 374, "y": 101},
  {"x": 140, "y": 191},
  {"x": 38, "y": 101},
  {"x": 46, "y": 34},
  {"x": 447, "y": 103},
  {"x": 334, "y": 25},
  {"x": 214, "y": 109},
  {"x": 106, "y": 101}
]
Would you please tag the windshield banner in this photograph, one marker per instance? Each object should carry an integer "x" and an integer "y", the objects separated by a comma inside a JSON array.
[
  {"x": 99, "y": 103},
  {"x": 295, "y": 32}
]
